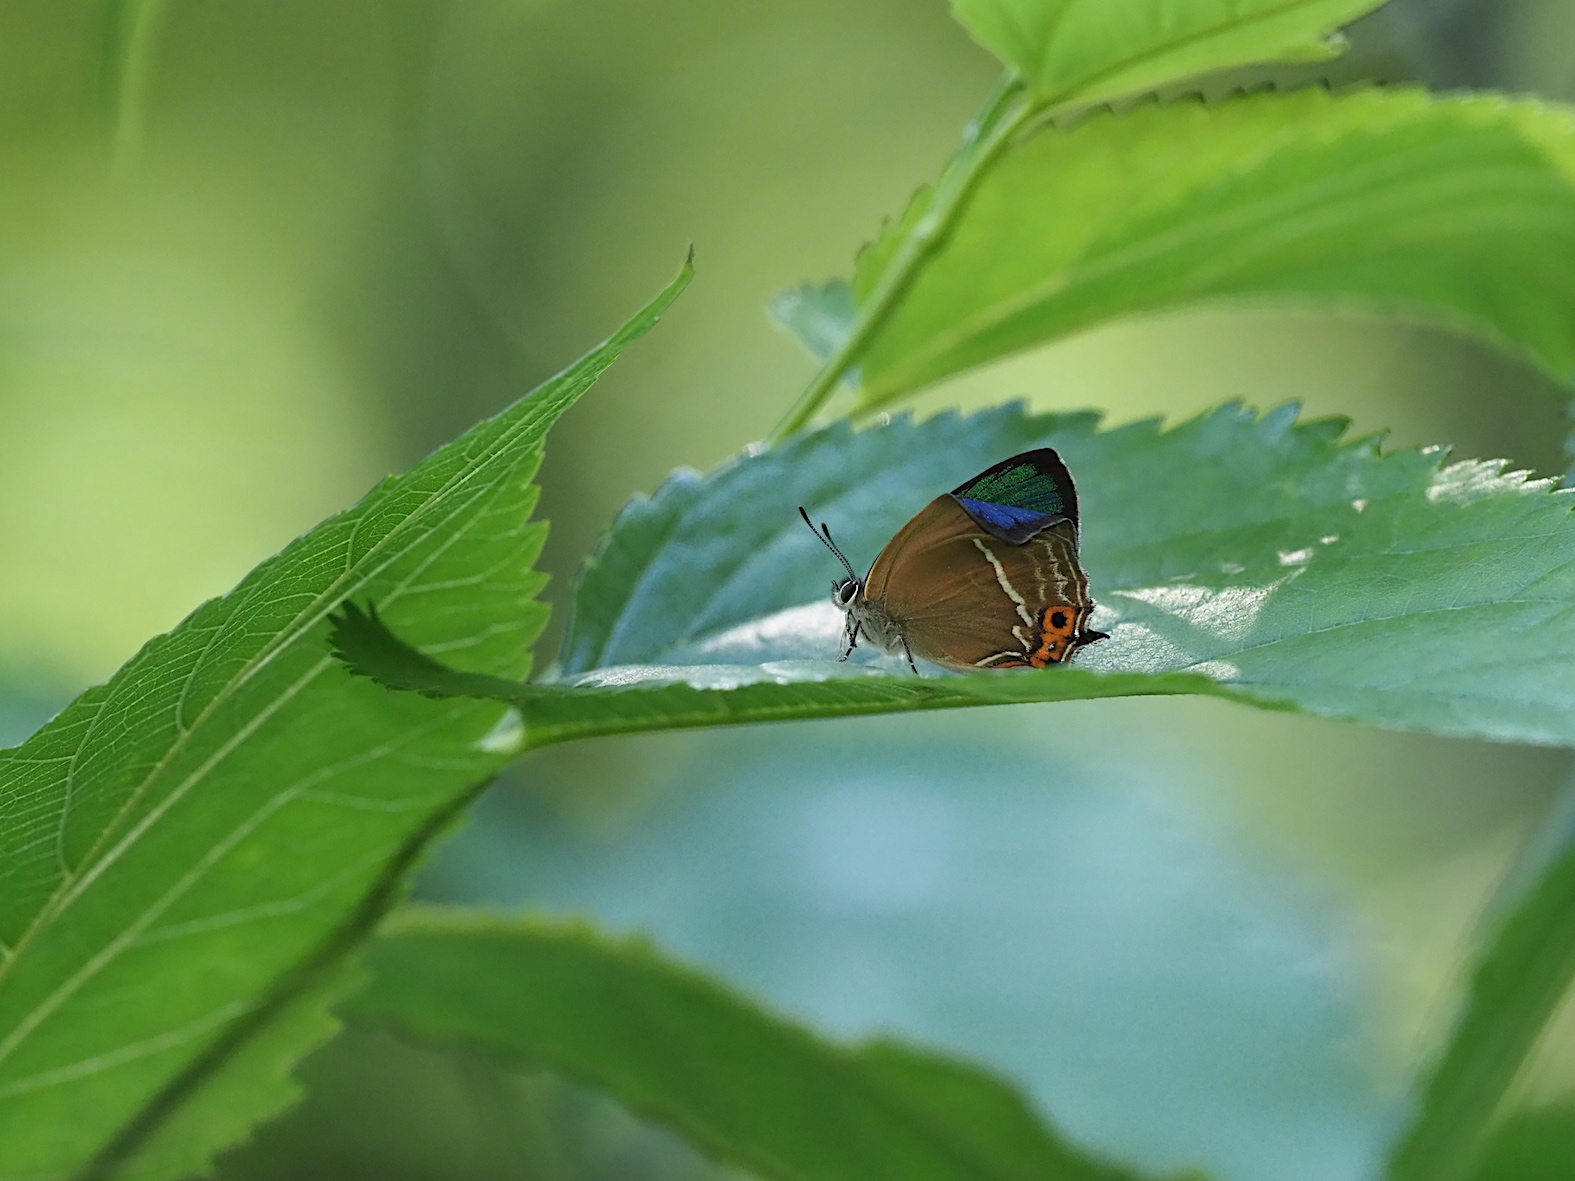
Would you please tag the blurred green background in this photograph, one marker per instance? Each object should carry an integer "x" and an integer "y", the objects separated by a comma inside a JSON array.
[{"x": 295, "y": 244}]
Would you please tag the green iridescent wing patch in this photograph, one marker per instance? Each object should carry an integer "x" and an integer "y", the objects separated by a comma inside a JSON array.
[{"x": 1019, "y": 496}]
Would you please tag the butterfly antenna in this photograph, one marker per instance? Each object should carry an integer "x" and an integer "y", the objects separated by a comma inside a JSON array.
[{"x": 824, "y": 535}]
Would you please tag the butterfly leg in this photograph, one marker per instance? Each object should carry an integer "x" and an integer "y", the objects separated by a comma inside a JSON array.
[
  {"x": 852, "y": 634},
  {"x": 909, "y": 655}
]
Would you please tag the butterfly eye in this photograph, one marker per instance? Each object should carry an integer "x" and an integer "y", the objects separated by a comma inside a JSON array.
[{"x": 842, "y": 592}]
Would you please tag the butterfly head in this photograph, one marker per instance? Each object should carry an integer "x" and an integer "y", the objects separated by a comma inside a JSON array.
[{"x": 845, "y": 592}]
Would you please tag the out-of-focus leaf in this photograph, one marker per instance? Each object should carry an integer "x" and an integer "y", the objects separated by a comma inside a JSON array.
[
  {"x": 1241, "y": 556},
  {"x": 1086, "y": 51},
  {"x": 751, "y": 1089},
  {"x": 249, "y": 1085},
  {"x": 378, "y": 1107},
  {"x": 1458, "y": 210},
  {"x": 818, "y": 316},
  {"x": 1524, "y": 976},
  {"x": 187, "y": 850},
  {"x": 1536, "y": 1145}
]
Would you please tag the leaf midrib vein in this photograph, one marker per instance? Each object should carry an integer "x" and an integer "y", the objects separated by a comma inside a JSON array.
[
  {"x": 40, "y": 1012},
  {"x": 308, "y": 618},
  {"x": 130, "y": 935}
]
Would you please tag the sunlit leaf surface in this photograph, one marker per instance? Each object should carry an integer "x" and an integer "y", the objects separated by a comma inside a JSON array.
[
  {"x": 750, "y": 1088},
  {"x": 1244, "y": 556},
  {"x": 1457, "y": 210},
  {"x": 184, "y": 850},
  {"x": 1077, "y": 51}
]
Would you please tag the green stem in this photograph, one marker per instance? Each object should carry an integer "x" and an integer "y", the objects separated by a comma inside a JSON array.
[
  {"x": 131, "y": 74},
  {"x": 1008, "y": 109}
]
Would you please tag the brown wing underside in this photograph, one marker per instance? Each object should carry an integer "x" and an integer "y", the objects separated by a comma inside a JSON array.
[{"x": 967, "y": 599}]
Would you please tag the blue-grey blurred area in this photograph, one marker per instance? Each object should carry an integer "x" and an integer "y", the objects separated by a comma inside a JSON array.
[
  {"x": 253, "y": 255},
  {"x": 1124, "y": 908}
]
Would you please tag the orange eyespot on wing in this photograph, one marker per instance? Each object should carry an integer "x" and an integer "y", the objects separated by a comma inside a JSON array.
[
  {"x": 1056, "y": 628},
  {"x": 1057, "y": 639}
]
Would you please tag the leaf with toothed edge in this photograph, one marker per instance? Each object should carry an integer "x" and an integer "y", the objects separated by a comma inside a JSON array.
[
  {"x": 154, "y": 982},
  {"x": 1248, "y": 557},
  {"x": 1457, "y": 211},
  {"x": 1086, "y": 51}
]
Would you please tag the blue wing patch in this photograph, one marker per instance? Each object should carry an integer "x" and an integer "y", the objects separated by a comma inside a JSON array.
[
  {"x": 1020, "y": 496},
  {"x": 1005, "y": 517}
]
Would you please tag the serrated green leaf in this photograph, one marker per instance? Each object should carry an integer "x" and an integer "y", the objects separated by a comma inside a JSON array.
[
  {"x": 749, "y": 1088},
  {"x": 1246, "y": 557},
  {"x": 1088, "y": 51},
  {"x": 1458, "y": 210},
  {"x": 185, "y": 845}
]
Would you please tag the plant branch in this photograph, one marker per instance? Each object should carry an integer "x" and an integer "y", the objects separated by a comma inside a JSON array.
[{"x": 1007, "y": 110}]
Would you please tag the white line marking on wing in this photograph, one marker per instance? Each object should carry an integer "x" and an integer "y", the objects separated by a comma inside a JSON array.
[{"x": 1000, "y": 576}]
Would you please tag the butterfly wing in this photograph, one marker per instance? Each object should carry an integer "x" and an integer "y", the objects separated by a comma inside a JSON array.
[
  {"x": 1021, "y": 496},
  {"x": 963, "y": 595}
]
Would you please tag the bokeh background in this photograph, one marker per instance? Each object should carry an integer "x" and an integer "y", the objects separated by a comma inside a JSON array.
[{"x": 295, "y": 244}]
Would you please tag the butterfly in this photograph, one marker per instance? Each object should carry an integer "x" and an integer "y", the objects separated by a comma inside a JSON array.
[{"x": 985, "y": 576}]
